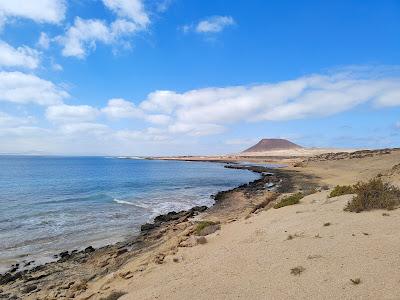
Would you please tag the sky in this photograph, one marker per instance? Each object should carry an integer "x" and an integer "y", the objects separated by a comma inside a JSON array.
[{"x": 187, "y": 77}]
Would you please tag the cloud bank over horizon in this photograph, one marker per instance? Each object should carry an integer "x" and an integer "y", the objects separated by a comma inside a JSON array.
[{"x": 167, "y": 115}]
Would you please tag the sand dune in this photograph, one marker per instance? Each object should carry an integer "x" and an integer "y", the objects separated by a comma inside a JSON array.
[{"x": 341, "y": 255}]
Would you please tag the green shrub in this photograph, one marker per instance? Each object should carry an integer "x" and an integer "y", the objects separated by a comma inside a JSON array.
[
  {"x": 374, "y": 194},
  {"x": 340, "y": 190},
  {"x": 289, "y": 200},
  {"x": 203, "y": 224}
]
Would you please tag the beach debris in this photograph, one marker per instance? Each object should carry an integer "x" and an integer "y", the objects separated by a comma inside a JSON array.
[
  {"x": 355, "y": 281},
  {"x": 297, "y": 270}
]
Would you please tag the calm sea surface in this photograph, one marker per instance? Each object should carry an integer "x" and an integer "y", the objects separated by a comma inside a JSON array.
[{"x": 49, "y": 204}]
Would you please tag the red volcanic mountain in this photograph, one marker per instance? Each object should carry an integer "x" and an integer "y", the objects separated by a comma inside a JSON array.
[{"x": 272, "y": 144}]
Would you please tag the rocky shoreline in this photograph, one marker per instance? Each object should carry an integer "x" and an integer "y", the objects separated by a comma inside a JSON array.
[{"x": 69, "y": 276}]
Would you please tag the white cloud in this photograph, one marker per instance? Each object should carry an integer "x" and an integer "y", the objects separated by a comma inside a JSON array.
[
  {"x": 71, "y": 113},
  {"x": 7, "y": 120},
  {"x": 208, "y": 110},
  {"x": 195, "y": 129},
  {"x": 84, "y": 34},
  {"x": 214, "y": 24},
  {"x": 120, "y": 108},
  {"x": 85, "y": 128},
  {"x": 130, "y": 9},
  {"x": 158, "y": 119},
  {"x": 42, "y": 11},
  {"x": 24, "y": 88},
  {"x": 18, "y": 57},
  {"x": 44, "y": 41}
]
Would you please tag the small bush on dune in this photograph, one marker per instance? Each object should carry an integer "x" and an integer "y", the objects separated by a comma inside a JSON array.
[
  {"x": 203, "y": 224},
  {"x": 374, "y": 194},
  {"x": 340, "y": 190},
  {"x": 289, "y": 200}
]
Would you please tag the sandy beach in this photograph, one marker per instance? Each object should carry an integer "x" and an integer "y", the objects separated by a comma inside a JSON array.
[{"x": 252, "y": 249}]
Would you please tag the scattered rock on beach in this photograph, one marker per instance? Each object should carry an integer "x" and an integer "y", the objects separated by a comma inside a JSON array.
[
  {"x": 89, "y": 249},
  {"x": 29, "y": 288}
]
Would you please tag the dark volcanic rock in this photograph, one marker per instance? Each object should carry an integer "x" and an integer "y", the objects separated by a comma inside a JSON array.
[
  {"x": 29, "y": 288},
  {"x": 8, "y": 277},
  {"x": 89, "y": 249},
  {"x": 173, "y": 216}
]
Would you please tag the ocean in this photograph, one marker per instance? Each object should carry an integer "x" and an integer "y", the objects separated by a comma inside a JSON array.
[{"x": 51, "y": 204}]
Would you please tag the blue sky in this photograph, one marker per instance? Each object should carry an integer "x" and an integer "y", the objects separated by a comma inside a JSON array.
[{"x": 163, "y": 77}]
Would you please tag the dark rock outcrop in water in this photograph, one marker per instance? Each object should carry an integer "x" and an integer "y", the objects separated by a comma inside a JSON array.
[
  {"x": 172, "y": 216},
  {"x": 272, "y": 144}
]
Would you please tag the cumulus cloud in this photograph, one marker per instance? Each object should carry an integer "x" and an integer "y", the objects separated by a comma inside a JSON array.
[
  {"x": 311, "y": 96},
  {"x": 44, "y": 41},
  {"x": 182, "y": 115},
  {"x": 24, "y": 57},
  {"x": 130, "y": 9},
  {"x": 84, "y": 34},
  {"x": 24, "y": 88},
  {"x": 85, "y": 128},
  {"x": 210, "y": 25},
  {"x": 71, "y": 113},
  {"x": 120, "y": 108},
  {"x": 214, "y": 24},
  {"x": 7, "y": 120},
  {"x": 42, "y": 11}
]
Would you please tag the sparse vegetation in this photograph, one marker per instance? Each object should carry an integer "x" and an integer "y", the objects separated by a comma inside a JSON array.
[
  {"x": 340, "y": 190},
  {"x": 374, "y": 194},
  {"x": 297, "y": 270},
  {"x": 355, "y": 281},
  {"x": 290, "y": 200},
  {"x": 203, "y": 224},
  {"x": 327, "y": 224}
]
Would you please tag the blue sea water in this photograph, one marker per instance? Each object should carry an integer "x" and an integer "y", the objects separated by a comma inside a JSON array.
[{"x": 49, "y": 204}]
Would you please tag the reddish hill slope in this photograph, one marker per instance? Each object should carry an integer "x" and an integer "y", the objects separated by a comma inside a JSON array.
[{"x": 272, "y": 144}]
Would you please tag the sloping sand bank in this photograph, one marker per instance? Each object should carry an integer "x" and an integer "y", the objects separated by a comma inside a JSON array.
[
  {"x": 253, "y": 258},
  {"x": 339, "y": 255}
]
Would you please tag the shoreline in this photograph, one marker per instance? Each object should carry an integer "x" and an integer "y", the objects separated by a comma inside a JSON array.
[{"x": 149, "y": 237}]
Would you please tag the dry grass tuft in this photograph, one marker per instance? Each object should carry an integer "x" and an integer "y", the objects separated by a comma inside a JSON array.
[
  {"x": 374, "y": 194},
  {"x": 202, "y": 225},
  {"x": 297, "y": 270},
  {"x": 340, "y": 190},
  {"x": 355, "y": 281},
  {"x": 289, "y": 200}
]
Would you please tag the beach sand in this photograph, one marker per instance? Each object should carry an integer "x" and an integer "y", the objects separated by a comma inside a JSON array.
[
  {"x": 336, "y": 254},
  {"x": 252, "y": 258}
]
